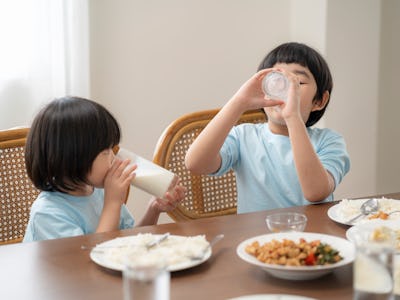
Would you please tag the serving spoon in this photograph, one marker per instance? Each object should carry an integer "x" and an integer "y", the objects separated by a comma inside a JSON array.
[{"x": 368, "y": 207}]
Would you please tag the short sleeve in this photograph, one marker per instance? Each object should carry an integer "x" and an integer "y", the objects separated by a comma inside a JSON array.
[
  {"x": 46, "y": 226},
  {"x": 229, "y": 153}
]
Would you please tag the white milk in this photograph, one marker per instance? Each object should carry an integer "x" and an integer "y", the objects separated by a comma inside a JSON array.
[{"x": 150, "y": 177}]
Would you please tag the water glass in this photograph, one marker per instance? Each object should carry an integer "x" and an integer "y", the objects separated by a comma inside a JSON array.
[
  {"x": 146, "y": 282},
  {"x": 373, "y": 267}
]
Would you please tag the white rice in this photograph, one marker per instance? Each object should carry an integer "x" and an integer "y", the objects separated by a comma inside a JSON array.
[
  {"x": 349, "y": 208},
  {"x": 172, "y": 251}
]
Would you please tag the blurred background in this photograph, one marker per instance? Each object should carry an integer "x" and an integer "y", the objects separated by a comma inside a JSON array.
[{"x": 151, "y": 61}]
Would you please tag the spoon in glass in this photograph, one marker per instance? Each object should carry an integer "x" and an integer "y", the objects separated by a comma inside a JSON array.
[{"x": 368, "y": 207}]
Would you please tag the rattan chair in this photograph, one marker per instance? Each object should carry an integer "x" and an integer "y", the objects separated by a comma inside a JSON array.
[
  {"x": 206, "y": 196},
  {"x": 17, "y": 192}
]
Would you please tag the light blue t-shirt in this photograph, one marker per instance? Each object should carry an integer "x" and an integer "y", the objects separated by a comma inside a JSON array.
[
  {"x": 57, "y": 215},
  {"x": 266, "y": 176}
]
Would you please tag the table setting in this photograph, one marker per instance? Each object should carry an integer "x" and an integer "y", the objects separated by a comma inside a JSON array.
[{"x": 226, "y": 271}]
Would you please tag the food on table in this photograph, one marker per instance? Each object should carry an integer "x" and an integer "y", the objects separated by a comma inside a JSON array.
[
  {"x": 174, "y": 250},
  {"x": 383, "y": 234},
  {"x": 349, "y": 208},
  {"x": 379, "y": 215},
  {"x": 290, "y": 253}
]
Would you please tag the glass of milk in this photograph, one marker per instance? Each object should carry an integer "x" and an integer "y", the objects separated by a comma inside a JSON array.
[
  {"x": 373, "y": 265},
  {"x": 150, "y": 177}
]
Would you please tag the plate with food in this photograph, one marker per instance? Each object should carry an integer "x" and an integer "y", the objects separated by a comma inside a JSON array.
[
  {"x": 378, "y": 230},
  {"x": 346, "y": 209},
  {"x": 178, "y": 252},
  {"x": 296, "y": 255}
]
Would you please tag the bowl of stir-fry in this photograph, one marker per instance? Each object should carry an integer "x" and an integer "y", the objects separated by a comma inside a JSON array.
[{"x": 297, "y": 255}]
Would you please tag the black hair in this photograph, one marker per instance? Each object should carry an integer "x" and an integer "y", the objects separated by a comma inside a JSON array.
[
  {"x": 65, "y": 138},
  {"x": 307, "y": 57}
]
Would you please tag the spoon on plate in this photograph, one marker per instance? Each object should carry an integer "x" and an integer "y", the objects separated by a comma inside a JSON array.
[{"x": 368, "y": 207}]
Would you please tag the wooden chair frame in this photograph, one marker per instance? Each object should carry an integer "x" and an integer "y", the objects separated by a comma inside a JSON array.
[{"x": 207, "y": 196}]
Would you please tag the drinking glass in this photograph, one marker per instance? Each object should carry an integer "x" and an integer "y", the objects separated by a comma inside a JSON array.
[
  {"x": 146, "y": 281},
  {"x": 149, "y": 177},
  {"x": 373, "y": 266}
]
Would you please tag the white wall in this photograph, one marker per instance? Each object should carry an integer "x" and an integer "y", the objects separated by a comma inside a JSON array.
[{"x": 154, "y": 60}]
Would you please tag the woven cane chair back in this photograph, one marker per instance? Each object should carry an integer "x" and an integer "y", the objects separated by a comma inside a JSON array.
[
  {"x": 17, "y": 192},
  {"x": 206, "y": 196}
]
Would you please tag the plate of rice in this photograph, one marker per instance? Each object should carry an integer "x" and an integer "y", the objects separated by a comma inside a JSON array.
[
  {"x": 177, "y": 251},
  {"x": 347, "y": 209}
]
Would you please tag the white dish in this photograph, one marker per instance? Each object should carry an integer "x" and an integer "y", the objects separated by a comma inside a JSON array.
[
  {"x": 345, "y": 248},
  {"x": 335, "y": 212},
  {"x": 371, "y": 225},
  {"x": 272, "y": 297},
  {"x": 101, "y": 253}
]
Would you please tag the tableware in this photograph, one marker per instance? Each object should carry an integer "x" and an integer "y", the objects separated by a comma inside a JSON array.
[
  {"x": 272, "y": 297},
  {"x": 146, "y": 281},
  {"x": 372, "y": 272},
  {"x": 276, "y": 85},
  {"x": 110, "y": 254},
  {"x": 368, "y": 207},
  {"x": 348, "y": 208},
  {"x": 284, "y": 222},
  {"x": 372, "y": 225},
  {"x": 345, "y": 248},
  {"x": 215, "y": 240},
  {"x": 149, "y": 177},
  {"x": 149, "y": 245}
]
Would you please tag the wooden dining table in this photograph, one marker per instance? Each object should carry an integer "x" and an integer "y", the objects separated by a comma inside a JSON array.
[{"x": 60, "y": 269}]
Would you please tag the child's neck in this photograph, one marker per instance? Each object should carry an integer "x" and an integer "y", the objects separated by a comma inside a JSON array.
[
  {"x": 278, "y": 129},
  {"x": 85, "y": 190}
]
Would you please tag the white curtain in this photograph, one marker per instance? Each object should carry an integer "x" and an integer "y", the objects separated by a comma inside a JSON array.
[{"x": 44, "y": 54}]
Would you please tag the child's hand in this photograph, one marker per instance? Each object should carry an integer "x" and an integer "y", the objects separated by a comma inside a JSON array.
[
  {"x": 170, "y": 200},
  {"x": 117, "y": 181},
  {"x": 251, "y": 96},
  {"x": 292, "y": 105}
]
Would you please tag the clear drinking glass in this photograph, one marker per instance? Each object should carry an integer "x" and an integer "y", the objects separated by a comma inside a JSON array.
[
  {"x": 149, "y": 177},
  {"x": 146, "y": 281},
  {"x": 373, "y": 266},
  {"x": 276, "y": 86}
]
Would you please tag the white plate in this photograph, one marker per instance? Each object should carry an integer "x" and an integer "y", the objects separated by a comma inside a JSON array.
[
  {"x": 335, "y": 214},
  {"x": 345, "y": 248},
  {"x": 101, "y": 256},
  {"x": 272, "y": 297},
  {"x": 371, "y": 225}
]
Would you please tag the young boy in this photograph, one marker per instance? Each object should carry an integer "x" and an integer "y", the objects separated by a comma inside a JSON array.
[{"x": 284, "y": 162}]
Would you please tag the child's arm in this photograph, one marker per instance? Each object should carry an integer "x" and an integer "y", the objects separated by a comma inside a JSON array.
[
  {"x": 316, "y": 182},
  {"x": 158, "y": 205},
  {"x": 116, "y": 186},
  {"x": 203, "y": 155}
]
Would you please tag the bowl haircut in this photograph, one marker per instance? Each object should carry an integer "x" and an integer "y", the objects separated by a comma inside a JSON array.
[
  {"x": 65, "y": 138},
  {"x": 307, "y": 57}
]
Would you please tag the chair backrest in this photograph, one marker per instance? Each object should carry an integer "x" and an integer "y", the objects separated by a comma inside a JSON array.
[
  {"x": 206, "y": 196},
  {"x": 17, "y": 192}
]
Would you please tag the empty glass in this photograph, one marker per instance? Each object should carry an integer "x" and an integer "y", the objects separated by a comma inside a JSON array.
[{"x": 146, "y": 281}]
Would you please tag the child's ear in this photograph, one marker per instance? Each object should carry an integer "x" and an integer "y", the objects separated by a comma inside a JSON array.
[{"x": 321, "y": 103}]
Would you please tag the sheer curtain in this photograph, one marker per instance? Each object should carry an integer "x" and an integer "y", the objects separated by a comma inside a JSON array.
[{"x": 44, "y": 54}]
